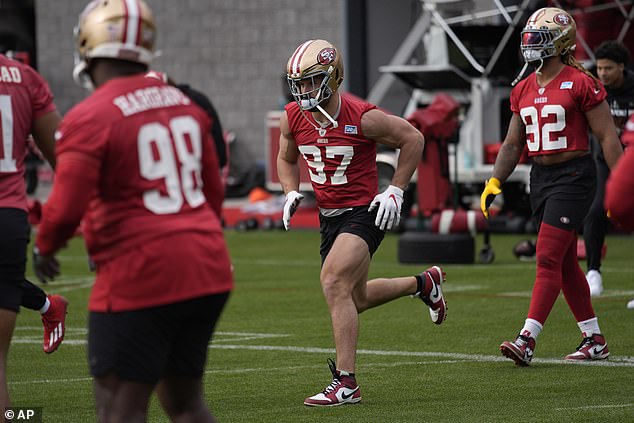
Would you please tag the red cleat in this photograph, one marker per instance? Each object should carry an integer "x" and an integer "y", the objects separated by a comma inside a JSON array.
[
  {"x": 54, "y": 323},
  {"x": 432, "y": 293},
  {"x": 342, "y": 390},
  {"x": 520, "y": 350},
  {"x": 591, "y": 348}
]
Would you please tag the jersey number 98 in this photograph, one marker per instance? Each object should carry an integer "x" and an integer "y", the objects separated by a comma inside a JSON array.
[{"x": 173, "y": 153}]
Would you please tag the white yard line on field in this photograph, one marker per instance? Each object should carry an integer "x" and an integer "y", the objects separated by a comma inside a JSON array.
[
  {"x": 622, "y": 361},
  {"x": 613, "y": 362},
  {"x": 590, "y": 407}
]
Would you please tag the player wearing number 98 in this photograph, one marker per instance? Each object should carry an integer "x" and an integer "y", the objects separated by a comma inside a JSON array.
[
  {"x": 553, "y": 108},
  {"x": 337, "y": 138},
  {"x": 136, "y": 160}
]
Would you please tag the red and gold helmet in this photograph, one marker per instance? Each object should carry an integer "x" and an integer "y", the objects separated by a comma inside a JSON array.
[
  {"x": 548, "y": 32},
  {"x": 319, "y": 61},
  {"x": 115, "y": 29}
]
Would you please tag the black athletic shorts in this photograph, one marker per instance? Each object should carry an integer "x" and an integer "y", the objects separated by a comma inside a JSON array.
[
  {"x": 357, "y": 221},
  {"x": 561, "y": 194},
  {"x": 146, "y": 345},
  {"x": 14, "y": 238}
]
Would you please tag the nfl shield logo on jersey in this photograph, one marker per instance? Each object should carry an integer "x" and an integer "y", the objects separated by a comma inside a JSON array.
[{"x": 350, "y": 129}]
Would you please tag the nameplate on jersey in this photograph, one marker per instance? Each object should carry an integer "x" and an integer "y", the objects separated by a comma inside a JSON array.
[
  {"x": 10, "y": 74},
  {"x": 566, "y": 85},
  {"x": 350, "y": 129}
]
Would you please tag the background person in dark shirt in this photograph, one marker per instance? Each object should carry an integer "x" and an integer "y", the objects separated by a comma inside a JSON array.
[{"x": 612, "y": 58}]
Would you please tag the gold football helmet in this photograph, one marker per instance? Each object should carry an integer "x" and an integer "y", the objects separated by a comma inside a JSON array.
[
  {"x": 116, "y": 29},
  {"x": 549, "y": 32},
  {"x": 319, "y": 63}
]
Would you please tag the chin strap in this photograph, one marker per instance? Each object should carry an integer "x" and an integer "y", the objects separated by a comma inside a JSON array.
[
  {"x": 537, "y": 71},
  {"x": 325, "y": 113},
  {"x": 539, "y": 68},
  {"x": 322, "y": 129},
  {"x": 519, "y": 76}
]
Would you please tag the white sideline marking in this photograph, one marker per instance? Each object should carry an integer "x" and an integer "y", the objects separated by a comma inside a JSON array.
[
  {"x": 38, "y": 340},
  {"x": 589, "y": 407},
  {"x": 68, "y": 380},
  {"x": 245, "y": 336},
  {"x": 86, "y": 284},
  {"x": 615, "y": 362},
  {"x": 452, "y": 287},
  {"x": 623, "y": 361},
  {"x": 80, "y": 331},
  {"x": 249, "y": 370}
]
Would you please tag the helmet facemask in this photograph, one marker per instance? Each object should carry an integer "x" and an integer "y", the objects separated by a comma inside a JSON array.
[
  {"x": 317, "y": 96},
  {"x": 543, "y": 43}
]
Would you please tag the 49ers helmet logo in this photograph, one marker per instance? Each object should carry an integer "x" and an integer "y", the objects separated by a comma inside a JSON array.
[
  {"x": 326, "y": 56},
  {"x": 562, "y": 19}
]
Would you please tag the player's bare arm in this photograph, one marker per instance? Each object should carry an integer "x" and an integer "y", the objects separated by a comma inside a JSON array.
[
  {"x": 395, "y": 132},
  {"x": 602, "y": 126},
  {"x": 511, "y": 149},
  {"x": 44, "y": 135},
  {"x": 287, "y": 167}
]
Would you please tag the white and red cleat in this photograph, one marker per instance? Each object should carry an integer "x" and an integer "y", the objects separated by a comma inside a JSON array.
[
  {"x": 54, "y": 321},
  {"x": 431, "y": 294},
  {"x": 342, "y": 390},
  {"x": 591, "y": 348},
  {"x": 520, "y": 351}
]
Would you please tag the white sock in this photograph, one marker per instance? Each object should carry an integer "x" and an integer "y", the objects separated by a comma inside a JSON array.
[
  {"x": 45, "y": 307},
  {"x": 532, "y": 328},
  {"x": 589, "y": 327}
]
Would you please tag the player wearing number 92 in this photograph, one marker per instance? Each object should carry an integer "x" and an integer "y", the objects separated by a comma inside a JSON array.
[
  {"x": 553, "y": 108},
  {"x": 337, "y": 137},
  {"x": 136, "y": 160}
]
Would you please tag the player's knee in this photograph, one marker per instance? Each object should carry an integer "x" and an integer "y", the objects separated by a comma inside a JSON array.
[
  {"x": 333, "y": 286},
  {"x": 546, "y": 260}
]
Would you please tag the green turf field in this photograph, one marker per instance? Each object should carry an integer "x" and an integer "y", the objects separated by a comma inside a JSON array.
[{"x": 274, "y": 337}]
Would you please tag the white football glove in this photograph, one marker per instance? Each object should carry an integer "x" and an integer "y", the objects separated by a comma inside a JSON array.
[
  {"x": 389, "y": 202},
  {"x": 293, "y": 198}
]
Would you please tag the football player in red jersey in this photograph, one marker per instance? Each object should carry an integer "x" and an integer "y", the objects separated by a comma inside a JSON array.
[
  {"x": 136, "y": 160},
  {"x": 553, "y": 108},
  {"x": 337, "y": 138},
  {"x": 26, "y": 107},
  {"x": 619, "y": 194}
]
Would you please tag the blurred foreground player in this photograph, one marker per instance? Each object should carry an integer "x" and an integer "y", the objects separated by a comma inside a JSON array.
[{"x": 136, "y": 161}]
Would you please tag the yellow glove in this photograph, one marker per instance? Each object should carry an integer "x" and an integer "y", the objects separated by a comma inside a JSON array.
[{"x": 491, "y": 189}]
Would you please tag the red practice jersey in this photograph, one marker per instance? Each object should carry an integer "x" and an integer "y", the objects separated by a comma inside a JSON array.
[
  {"x": 342, "y": 163},
  {"x": 554, "y": 115},
  {"x": 24, "y": 97},
  {"x": 137, "y": 158}
]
